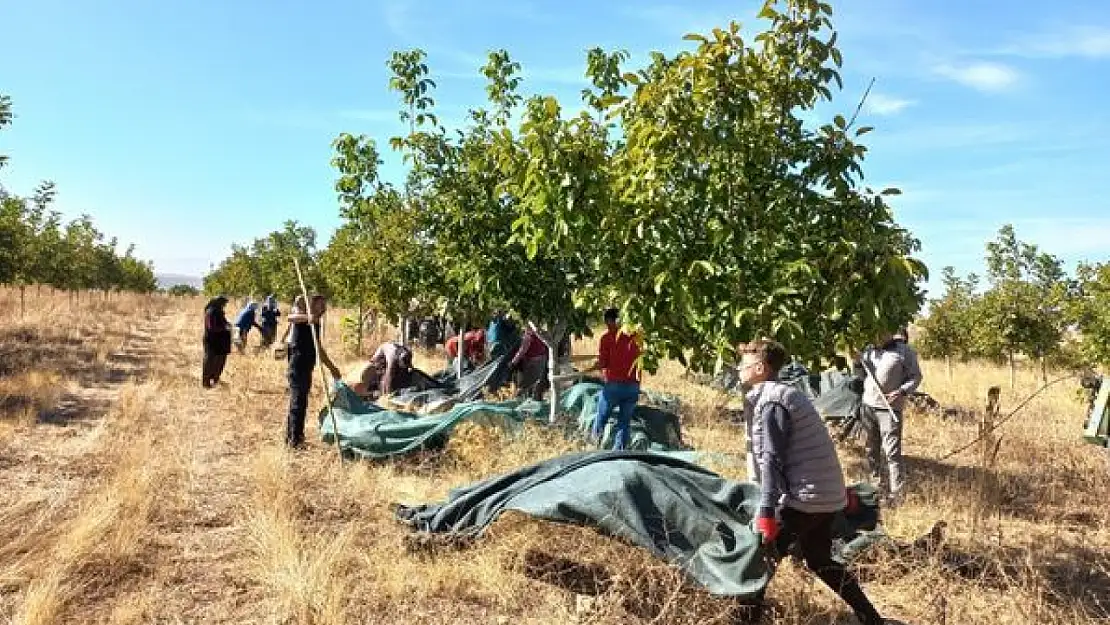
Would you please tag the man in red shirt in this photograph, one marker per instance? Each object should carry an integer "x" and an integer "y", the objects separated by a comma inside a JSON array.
[{"x": 616, "y": 357}]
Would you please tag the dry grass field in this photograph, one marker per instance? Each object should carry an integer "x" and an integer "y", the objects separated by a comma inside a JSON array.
[{"x": 132, "y": 495}]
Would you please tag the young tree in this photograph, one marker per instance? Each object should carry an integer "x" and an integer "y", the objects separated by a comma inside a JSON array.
[
  {"x": 947, "y": 330},
  {"x": 1090, "y": 310},
  {"x": 266, "y": 267},
  {"x": 1023, "y": 312}
]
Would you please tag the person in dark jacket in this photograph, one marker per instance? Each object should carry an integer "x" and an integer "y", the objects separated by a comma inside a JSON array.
[
  {"x": 269, "y": 313},
  {"x": 217, "y": 341},
  {"x": 304, "y": 327}
]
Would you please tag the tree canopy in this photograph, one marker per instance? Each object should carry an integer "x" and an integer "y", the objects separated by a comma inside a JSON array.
[{"x": 690, "y": 193}]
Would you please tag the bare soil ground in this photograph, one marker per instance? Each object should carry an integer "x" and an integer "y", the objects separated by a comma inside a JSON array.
[{"x": 135, "y": 496}]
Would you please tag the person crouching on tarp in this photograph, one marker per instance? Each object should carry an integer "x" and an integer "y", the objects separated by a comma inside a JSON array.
[
  {"x": 799, "y": 474},
  {"x": 474, "y": 341},
  {"x": 388, "y": 370},
  {"x": 616, "y": 358},
  {"x": 304, "y": 327},
  {"x": 530, "y": 365}
]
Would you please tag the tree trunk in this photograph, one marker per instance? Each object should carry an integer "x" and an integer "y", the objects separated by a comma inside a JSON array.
[
  {"x": 1044, "y": 369},
  {"x": 22, "y": 301},
  {"x": 358, "y": 346},
  {"x": 1013, "y": 372},
  {"x": 948, "y": 366},
  {"x": 459, "y": 353},
  {"x": 551, "y": 340}
]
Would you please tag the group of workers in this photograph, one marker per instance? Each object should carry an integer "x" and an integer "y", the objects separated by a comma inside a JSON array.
[{"x": 794, "y": 457}]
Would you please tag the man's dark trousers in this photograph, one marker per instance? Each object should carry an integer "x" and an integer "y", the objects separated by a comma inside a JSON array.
[
  {"x": 813, "y": 534},
  {"x": 300, "y": 383}
]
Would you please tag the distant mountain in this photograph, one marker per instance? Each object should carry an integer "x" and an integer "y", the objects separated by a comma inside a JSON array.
[{"x": 166, "y": 280}]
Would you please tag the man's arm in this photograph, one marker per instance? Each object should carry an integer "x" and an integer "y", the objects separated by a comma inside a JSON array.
[
  {"x": 525, "y": 345},
  {"x": 299, "y": 317},
  {"x": 775, "y": 422},
  {"x": 912, "y": 369},
  {"x": 324, "y": 358},
  {"x": 604, "y": 353}
]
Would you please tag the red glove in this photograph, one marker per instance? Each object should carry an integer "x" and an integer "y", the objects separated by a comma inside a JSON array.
[
  {"x": 853, "y": 501},
  {"x": 769, "y": 527}
]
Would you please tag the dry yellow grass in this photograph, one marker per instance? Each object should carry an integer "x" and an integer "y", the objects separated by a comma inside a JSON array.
[{"x": 167, "y": 503}]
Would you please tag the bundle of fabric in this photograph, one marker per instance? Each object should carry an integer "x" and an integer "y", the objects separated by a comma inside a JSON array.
[
  {"x": 448, "y": 390},
  {"x": 681, "y": 512},
  {"x": 371, "y": 431}
]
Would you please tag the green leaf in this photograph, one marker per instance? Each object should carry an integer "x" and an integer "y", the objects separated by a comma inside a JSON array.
[
  {"x": 864, "y": 130},
  {"x": 659, "y": 280},
  {"x": 891, "y": 191},
  {"x": 840, "y": 122}
]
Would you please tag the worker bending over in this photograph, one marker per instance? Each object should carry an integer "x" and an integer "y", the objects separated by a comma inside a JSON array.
[{"x": 388, "y": 370}]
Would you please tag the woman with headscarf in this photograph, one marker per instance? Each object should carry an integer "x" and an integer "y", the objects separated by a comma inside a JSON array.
[{"x": 217, "y": 341}]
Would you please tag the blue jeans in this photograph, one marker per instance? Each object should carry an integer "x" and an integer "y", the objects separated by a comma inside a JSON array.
[{"x": 623, "y": 397}]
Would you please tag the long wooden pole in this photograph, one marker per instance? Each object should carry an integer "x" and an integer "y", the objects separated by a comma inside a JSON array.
[{"x": 319, "y": 363}]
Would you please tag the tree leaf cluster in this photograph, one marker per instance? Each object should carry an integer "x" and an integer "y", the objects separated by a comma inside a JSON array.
[{"x": 38, "y": 247}]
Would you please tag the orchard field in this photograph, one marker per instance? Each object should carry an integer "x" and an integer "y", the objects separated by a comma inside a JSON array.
[
  {"x": 135, "y": 496},
  {"x": 713, "y": 194}
]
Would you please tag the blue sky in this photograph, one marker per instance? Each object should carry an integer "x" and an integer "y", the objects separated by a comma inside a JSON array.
[{"x": 186, "y": 126}]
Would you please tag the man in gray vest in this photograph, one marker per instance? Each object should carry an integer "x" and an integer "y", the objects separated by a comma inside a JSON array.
[
  {"x": 801, "y": 481},
  {"x": 891, "y": 374}
]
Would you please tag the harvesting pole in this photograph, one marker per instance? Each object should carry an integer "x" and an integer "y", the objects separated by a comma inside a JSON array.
[{"x": 319, "y": 364}]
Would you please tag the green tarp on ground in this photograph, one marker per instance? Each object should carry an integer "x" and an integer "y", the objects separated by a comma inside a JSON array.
[
  {"x": 679, "y": 511},
  {"x": 369, "y": 431}
]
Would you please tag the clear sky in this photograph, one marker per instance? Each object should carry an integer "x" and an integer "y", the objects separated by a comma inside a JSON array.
[{"x": 186, "y": 126}]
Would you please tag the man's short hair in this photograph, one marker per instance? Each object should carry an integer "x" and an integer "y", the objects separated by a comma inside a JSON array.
[
  {"x": 611, "y": 314},
  {"x": 766, "y": 350}
]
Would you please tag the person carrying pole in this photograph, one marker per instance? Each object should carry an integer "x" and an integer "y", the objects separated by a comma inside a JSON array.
[
  {"x": 304, "y": 327},
  {"x": 799, "y": 475},
  {"x": 891, "y": 374},
  {"x": 616, "y": 358}
]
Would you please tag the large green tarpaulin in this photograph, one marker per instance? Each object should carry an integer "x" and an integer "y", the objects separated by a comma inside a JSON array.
[
  {"x": 370, "y": 431},
  {"x": 679, "y": 511}
]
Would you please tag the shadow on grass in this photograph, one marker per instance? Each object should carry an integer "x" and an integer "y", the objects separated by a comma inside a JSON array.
[{"x": 74, "y": 360}]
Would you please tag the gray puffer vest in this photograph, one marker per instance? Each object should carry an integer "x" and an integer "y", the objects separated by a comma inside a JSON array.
[{"x": 814, "y": 478}]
